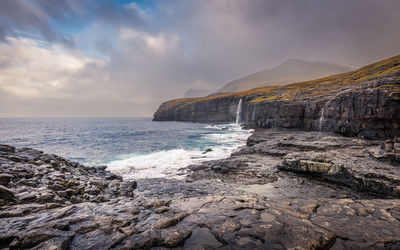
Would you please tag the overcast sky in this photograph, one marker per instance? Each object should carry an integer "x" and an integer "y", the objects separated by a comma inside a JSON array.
[{"x": 99, "y": 58}]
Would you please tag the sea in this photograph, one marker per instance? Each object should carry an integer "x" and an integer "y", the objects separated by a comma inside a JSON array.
[{"x": 132, "y": 147}]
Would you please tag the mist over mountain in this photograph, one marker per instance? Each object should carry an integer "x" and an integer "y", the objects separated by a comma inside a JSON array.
[
  {"x": 292, "y": 70},
  {"x": 198, "y": 92}
]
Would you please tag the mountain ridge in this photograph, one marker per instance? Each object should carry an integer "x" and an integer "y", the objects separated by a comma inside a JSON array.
[{"x": 291, "y": 70}]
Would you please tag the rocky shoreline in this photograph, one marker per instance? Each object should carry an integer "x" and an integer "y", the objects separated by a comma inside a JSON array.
[{"x": 286, "y": 189}]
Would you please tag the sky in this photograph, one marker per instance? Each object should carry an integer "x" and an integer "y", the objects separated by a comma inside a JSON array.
[{"x": 123, "y": 58}]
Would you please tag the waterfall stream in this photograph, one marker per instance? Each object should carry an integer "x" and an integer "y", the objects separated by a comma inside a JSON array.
[
  {"x": 322, "y": 117},
  {"x": 238, "y": 112}
]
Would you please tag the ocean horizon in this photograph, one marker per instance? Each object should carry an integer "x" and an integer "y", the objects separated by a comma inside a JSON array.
[{"x": 132, "y": 147}]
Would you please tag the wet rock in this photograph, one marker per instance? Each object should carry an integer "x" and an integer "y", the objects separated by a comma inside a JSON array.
[
  {"x": 56, "y": 243},
  {"x": 97, "y": 239},
  {"x": 146, "y": 240},
  {"x": 347, "y": 169},
  {"x": 202, "y": 238},
  {"x": 5, "y": 179},
  {"x": 266, "y": 217},
  {"x": 389, "y": 145},
  {"x": 38, "y": 235},
  {"x": 207, "y": 151},
  {"x": 174, "y": 237},
  {"x": 7, "y": 148},
  {"x": 53, "y": 178},
  {"x": 168, "y": 222},
  {"x": 161, "y": 210},
  {"x": 247, "y": 204},
  {"x": 5, "y": 193}
]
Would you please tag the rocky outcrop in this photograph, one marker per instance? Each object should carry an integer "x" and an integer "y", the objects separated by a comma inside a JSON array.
[
  {"x": 243, "y": 202},
  {"x": 336, "y": 176},
  {"x": 362, "y": 165},
  {"x": 30, "y": 176},
  {"x": 364, "y": 103}
]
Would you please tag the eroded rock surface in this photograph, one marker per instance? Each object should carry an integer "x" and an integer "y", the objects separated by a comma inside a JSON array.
[
  {"x": 284, "y": 190},
  {"x": 30, "y": 176}
]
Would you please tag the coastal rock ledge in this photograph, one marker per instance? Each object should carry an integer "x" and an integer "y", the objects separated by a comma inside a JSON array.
[
  {"x": 364, "y": 103},
  {"x": 287, "y": 189}
]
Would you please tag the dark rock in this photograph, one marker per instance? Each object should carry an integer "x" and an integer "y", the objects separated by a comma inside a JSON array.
[
  {"x": 168, "y": 222},
  {"x": 389, "y": 145},
  {"x": 36, "y": 236},
  {"x": 344, "y": 168},
  {"x": 7, "y": 148},
  {"x": 242, "y": 202},
  {"x": 5, "y": 179},
  {"x": 97, "y": 239},
  {"x": 175, "y": 237},
  {"x": 202, "y": 239},
  {"x": 56, "y": 243},
  {"x": 207, "y": 151},
  {"x": 5, "y": 193}
]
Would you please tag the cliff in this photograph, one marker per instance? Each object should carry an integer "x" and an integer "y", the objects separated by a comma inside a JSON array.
[{"x": 364, "y": 102}]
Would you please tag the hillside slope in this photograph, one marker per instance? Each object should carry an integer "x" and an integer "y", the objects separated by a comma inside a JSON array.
[
  {"x": 364, "y": 102},
  {"x": 293, "y": 70},
  {"x": 198, "y": 93}
]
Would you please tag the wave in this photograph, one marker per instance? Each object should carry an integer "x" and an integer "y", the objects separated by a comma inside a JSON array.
[{"x": 168, "y": 163}]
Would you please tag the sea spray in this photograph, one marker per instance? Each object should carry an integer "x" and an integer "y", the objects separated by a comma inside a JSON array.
[
  {"x": 239, "y": 112},
  {"x": 223, "y": 139}
]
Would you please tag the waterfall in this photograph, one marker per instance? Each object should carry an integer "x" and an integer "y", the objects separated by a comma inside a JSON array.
[
  {"x": 322, "y": 117},
  {"x": 239, "y": 111}
]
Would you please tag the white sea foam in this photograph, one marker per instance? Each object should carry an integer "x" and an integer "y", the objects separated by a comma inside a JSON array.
[{"x": 167, "y": 163}]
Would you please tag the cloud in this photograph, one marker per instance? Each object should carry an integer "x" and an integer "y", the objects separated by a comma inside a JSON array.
[
  {"x": 54, "y": 21},
  {"x": 35, "y": 72},
  {"x": 42, "y": 79},
  {"x": 21, "y": 15},
  {"x": 149, "y": 55}
]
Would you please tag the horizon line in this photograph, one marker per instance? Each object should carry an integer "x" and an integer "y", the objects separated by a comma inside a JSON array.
[{"x": 94, "y": 117}]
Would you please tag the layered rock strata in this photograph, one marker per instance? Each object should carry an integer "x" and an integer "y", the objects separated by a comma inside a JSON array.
[{"x": 364, "y": 103}]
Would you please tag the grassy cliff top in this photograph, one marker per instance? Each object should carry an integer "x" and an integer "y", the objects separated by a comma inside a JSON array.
[{"x": 308, "y": 89}]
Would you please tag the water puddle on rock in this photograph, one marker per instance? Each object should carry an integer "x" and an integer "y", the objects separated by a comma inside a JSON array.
[{"x": 202, "y": 237}]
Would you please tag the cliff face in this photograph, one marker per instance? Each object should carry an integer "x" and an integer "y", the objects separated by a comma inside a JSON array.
[
  {"x": 213, "y": 110},
  {"x": 364, "y": 102},
  {"x": 370, "y": 113}
]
